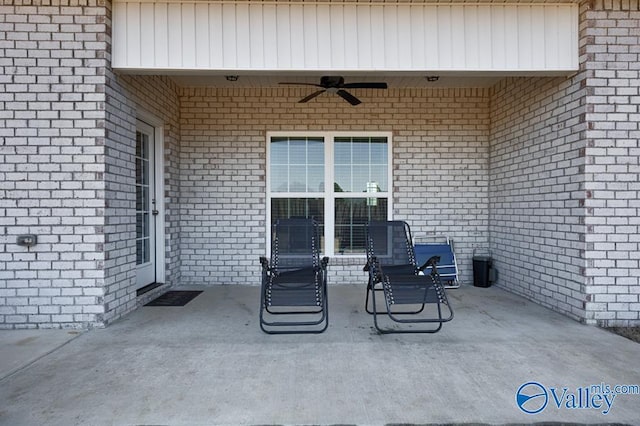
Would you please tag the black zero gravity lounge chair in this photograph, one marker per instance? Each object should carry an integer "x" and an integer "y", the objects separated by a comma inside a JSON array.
[
  {"x": 414, "y": 303},
  {"x": 293, "y": 297}
]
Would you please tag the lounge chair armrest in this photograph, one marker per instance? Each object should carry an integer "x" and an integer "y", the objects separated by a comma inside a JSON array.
[
  {"x": 324, "y": 262},
  {"x": 371, "y": 261},
  {"x": 432, "y": 261},
  {"x": 265, "y": 263}
]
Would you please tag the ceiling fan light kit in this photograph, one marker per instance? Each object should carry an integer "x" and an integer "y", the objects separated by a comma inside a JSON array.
[{"x": 336, "y": 84}]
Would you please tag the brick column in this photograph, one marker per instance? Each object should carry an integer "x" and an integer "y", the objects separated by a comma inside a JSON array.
[
  {"x": 612, "y": 65},
  {"x": 52, "y": 120}
]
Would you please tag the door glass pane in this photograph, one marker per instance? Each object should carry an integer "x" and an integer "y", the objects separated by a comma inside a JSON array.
[{"x": 143, "y": 201}]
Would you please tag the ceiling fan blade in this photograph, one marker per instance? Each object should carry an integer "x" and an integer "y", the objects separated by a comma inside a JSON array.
[
  {"x": 311, "y": 96},
  {"x": 348, "y": 97},
  {"x": 365, "y": 85},
  {"x": 301, "y": 84}
]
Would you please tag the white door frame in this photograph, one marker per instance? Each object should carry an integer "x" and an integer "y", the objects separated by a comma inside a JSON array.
[{"x": 158, "y": 134}]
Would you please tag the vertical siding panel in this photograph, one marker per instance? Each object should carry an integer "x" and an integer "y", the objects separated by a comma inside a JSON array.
[
  {"x": 188, "y": 35},
  {"x": 175, "y": 36},
  {"x": 216, "y": 48},
  {"x": 568, "y": 43},
  {"x": 512, "y": 55},
  {"x": 525, "y": 41},
  {"x": 471, "y": 38},
  {"x": 391, "y": 37},
  {"x": 229, "y": 41},
  {"x": 537, "y": 37},
  {"x": 161, "y": 47},
  {"x": 298, "y": 36},
  {"x": 445, "y": 45},
  {"x": 485, "y": 35},
  {"x": 283, "y": 27},
  {"x": 351, "y": 37},
  {"x": 345, "y": 36},
  {"x": 133, "y": 34},
  {"x": 311, "y": 46},
  {"x": 377, "y": 37},
  {"x": 202, "y": 36},
  {"x": 551, "y": 41},
  {"x": 431, "y": 37},
  {"x": 270, "y": 39},
  {"x": 364, "y": 37},
  {"x": 243, "y": 36},
  {"x": 322, "y": 36},
  {"x": 417, "y": 37},
  {"x": 405, "y": 61},
  {"x": 147, "y": 35},
  {"x": 458, "y": 30},
  {"x": 498, "y": 43},
  {"x": 120, "y": 42},
  {"x": 337, "y": 37},
  {"x": 256, "y": 25}
]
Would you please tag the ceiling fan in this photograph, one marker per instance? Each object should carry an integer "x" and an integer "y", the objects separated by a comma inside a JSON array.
[{"x": 336, "y": 84}]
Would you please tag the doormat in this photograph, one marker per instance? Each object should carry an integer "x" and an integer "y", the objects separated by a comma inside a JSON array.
[{"x": 174, "y": 298}]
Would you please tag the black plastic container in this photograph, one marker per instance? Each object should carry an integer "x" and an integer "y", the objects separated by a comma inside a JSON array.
[{"x": 482, "y": 271}]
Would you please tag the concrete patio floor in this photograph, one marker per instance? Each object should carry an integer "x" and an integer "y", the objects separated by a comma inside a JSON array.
[{"x": 209, "y": 364}]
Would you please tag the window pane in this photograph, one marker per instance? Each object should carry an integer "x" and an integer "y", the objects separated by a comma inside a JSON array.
[
  {"x": 279, "y": 178},
  {"x": 315, "y": 179},
  {"x": 352, "y": 215},
  {"x": 297, "y": 178},
  {"x": 315, "y": 151},
  {"x": 361, "y": 163},
  {"x": 360, "y": 178},
  {"x": 307, "y": 208},
  {"x": 297, "y": 164},
  {"x": 360, "y": 150},
  {"x": 379, "y": 151},
  {"x": 342, "y": 179},
  {"x": 297, "y": 152},
  {"x": 279, "y": 151},
  {"x": 342, "y": 151}
]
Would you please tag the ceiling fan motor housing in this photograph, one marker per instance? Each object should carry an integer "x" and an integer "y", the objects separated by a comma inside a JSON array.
[{"x": 331, "y": 81}]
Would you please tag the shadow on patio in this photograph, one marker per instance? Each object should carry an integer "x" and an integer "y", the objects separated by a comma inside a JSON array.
[{"x": 209, "y": 363}]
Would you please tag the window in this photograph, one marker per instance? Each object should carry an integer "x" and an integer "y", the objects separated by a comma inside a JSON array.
[{"x": 341, "y": 180}]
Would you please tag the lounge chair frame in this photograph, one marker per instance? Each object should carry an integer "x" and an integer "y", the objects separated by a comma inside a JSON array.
[
  {"x": 293, "y": 296},
  {"x": 393, "y": 272}
]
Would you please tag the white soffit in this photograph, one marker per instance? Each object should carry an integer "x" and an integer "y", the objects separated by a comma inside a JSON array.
[{"x": 540, "y": 38}]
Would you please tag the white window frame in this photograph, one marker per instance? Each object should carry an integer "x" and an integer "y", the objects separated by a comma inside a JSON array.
[{"x": 329, "y": 195}]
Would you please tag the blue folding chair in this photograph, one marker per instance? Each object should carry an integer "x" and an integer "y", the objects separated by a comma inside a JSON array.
[{"x": 438, "y": 245}]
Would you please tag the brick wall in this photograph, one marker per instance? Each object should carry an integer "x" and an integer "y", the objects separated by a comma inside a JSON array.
[
  {"x": 127, "y": 96},
  {"x": 52, "y": 96},
  {"x": 537, "y": 192},
  {"x": 612, "y": 65},
  {"x": 440, "y": 169},
  {"x": 67, "y": 137}
]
